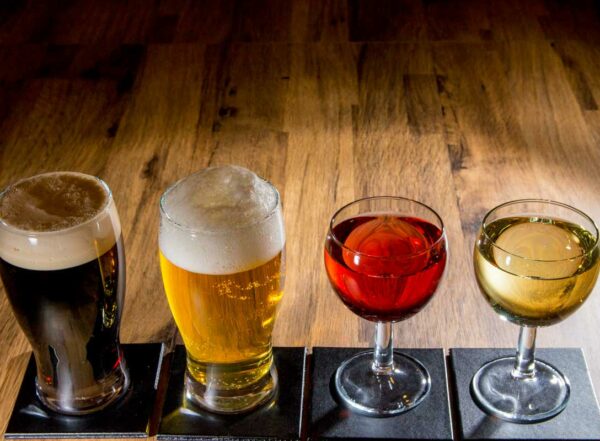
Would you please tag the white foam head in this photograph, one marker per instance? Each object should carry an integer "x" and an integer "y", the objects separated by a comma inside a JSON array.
[
  {"x": 57, "y": 220},
  {"x": 221, "y": 220}
]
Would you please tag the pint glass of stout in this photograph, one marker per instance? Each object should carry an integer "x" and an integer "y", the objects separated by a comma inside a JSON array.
[
  {"x": 221, "y": 255},
  {"x": 63, "y": 269}
]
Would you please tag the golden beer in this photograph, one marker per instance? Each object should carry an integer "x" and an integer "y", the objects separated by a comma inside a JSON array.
[
  {"x": 226, "y": 321},
  {"x": 221, "y": 249}
]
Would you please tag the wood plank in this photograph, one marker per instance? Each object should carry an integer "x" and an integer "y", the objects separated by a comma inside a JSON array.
[
  {"x": 386, "y": 20},
  {"x": 28, "y": 22},
  {"x": 16, "y": 351},
  {"x": 581, "y": 63},
  {"x": 458, "y": 21},
  {"x": 90, "y": 22},
  {"x": 261, "y": 20},
  {"x": 319, "y": 179},
  {"x": 565, "y": 22},
  {"x": 200, "y": 22},
  {"x": 319, "y": 20}
]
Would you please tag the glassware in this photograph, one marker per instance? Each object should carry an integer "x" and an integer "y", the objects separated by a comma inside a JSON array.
[
  {"x": 222, "y": 260},
  {"x": 536, "y": 261},
  {"x": 63, "y": 267},
  {"x": 384, "y": 257}
]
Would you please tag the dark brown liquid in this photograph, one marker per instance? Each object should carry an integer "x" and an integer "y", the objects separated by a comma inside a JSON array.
[{"x": 71, "y": 318}]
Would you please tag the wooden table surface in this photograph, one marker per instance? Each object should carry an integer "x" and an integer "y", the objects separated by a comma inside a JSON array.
[{"x": 461, "y": 105}]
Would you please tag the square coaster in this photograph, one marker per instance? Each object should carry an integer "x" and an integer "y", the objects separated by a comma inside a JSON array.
[
  {"x": 579, "y": 421},
  {"x": 127, "y": 418},
  {"x": 277, "y": 420},
  {"x": 330, "y": 420}
]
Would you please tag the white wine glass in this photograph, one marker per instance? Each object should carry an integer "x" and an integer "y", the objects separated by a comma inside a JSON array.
[{"x": 536, "y": 262}]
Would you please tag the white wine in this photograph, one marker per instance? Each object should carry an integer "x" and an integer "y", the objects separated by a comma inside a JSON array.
[{"x": 535, "y": 271}]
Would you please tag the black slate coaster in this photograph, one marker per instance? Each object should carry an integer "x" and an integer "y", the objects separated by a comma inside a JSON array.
[
  {"x": 330, "y": 420},
  {"x": 579, "y": 421},
  {"x": 127, "y": 418},
  {"x": 277, "y": 420}
]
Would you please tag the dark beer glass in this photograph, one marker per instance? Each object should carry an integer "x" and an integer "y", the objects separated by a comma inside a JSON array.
[{"x": 63, "y": 267}]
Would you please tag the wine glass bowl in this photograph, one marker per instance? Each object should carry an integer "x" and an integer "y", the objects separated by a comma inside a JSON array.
[
  {"x": 536, "y": 262},
  {"x": 384, "y": 257},
  {"x": 391, "y": 287}
]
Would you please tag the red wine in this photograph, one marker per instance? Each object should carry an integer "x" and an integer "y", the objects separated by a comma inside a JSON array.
[{"x": 388, "y": 267}]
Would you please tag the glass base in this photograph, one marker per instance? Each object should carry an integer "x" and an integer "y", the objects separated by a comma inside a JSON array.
[
  {"x": 520, "y": 400},
  {"x": 89, "y": 400},
  {"x": 232, "y": 401},
  {"x": 369, "y": 393}
]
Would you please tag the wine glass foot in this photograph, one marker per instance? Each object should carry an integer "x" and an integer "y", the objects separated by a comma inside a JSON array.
[
  {"x": 404, "y": 387},
  {"x": 520, "y": 400}
]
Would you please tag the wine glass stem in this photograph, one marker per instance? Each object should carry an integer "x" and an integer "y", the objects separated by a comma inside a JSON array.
[
  {"x": 383, "y": 356},
  {"x": 525, "y": 362}
]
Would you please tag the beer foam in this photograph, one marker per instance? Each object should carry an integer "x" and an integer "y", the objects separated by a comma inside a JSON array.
[
  {"x": 52, "y": 201},
  {"x": 57, "y": 220},
  {"x": 221, "y": 220}
]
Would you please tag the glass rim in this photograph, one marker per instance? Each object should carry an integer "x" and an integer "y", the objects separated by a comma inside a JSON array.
[
  {"x": 32, "y": 233},
  {"x": 400, "y": 198},
  {"x": 184, "y": 227},
  {"x": 484, "y": 226}
]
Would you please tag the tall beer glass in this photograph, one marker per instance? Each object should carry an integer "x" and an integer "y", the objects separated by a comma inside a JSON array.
[
  {"x": 63, "y": 269},
  {"x": 222, "y": 259}
]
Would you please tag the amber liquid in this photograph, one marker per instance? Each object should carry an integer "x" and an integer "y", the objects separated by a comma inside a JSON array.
[
  {"x": 226, "y": 321},
  {"x": 539, "y": 271},
  {"x": 390, "y": 265}
]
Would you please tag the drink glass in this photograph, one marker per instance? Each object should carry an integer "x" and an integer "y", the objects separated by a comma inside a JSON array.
[
  {"x": 221, "y": 246},
  {"x": 384, "y": 257},
  {"x": 536, "y": 261},
  {"x": 63, "y": 267}
]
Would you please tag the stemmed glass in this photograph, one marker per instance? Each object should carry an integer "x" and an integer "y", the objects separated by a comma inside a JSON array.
[
  {"x": 384, "y": 257},
  {"x": 536, "y": 261}
]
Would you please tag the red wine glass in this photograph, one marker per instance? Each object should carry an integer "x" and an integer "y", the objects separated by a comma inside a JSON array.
[{"x": 384, "y": 257}]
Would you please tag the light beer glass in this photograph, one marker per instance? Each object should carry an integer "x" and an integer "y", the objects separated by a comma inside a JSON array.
[
  {"x": 536, "y": 262},
  {"x": 221, "y": 246},
  {"x": 63, "y": 268}
]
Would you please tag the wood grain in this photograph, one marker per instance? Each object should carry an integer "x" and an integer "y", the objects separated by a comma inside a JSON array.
[{"x": 459, "y": 104}]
